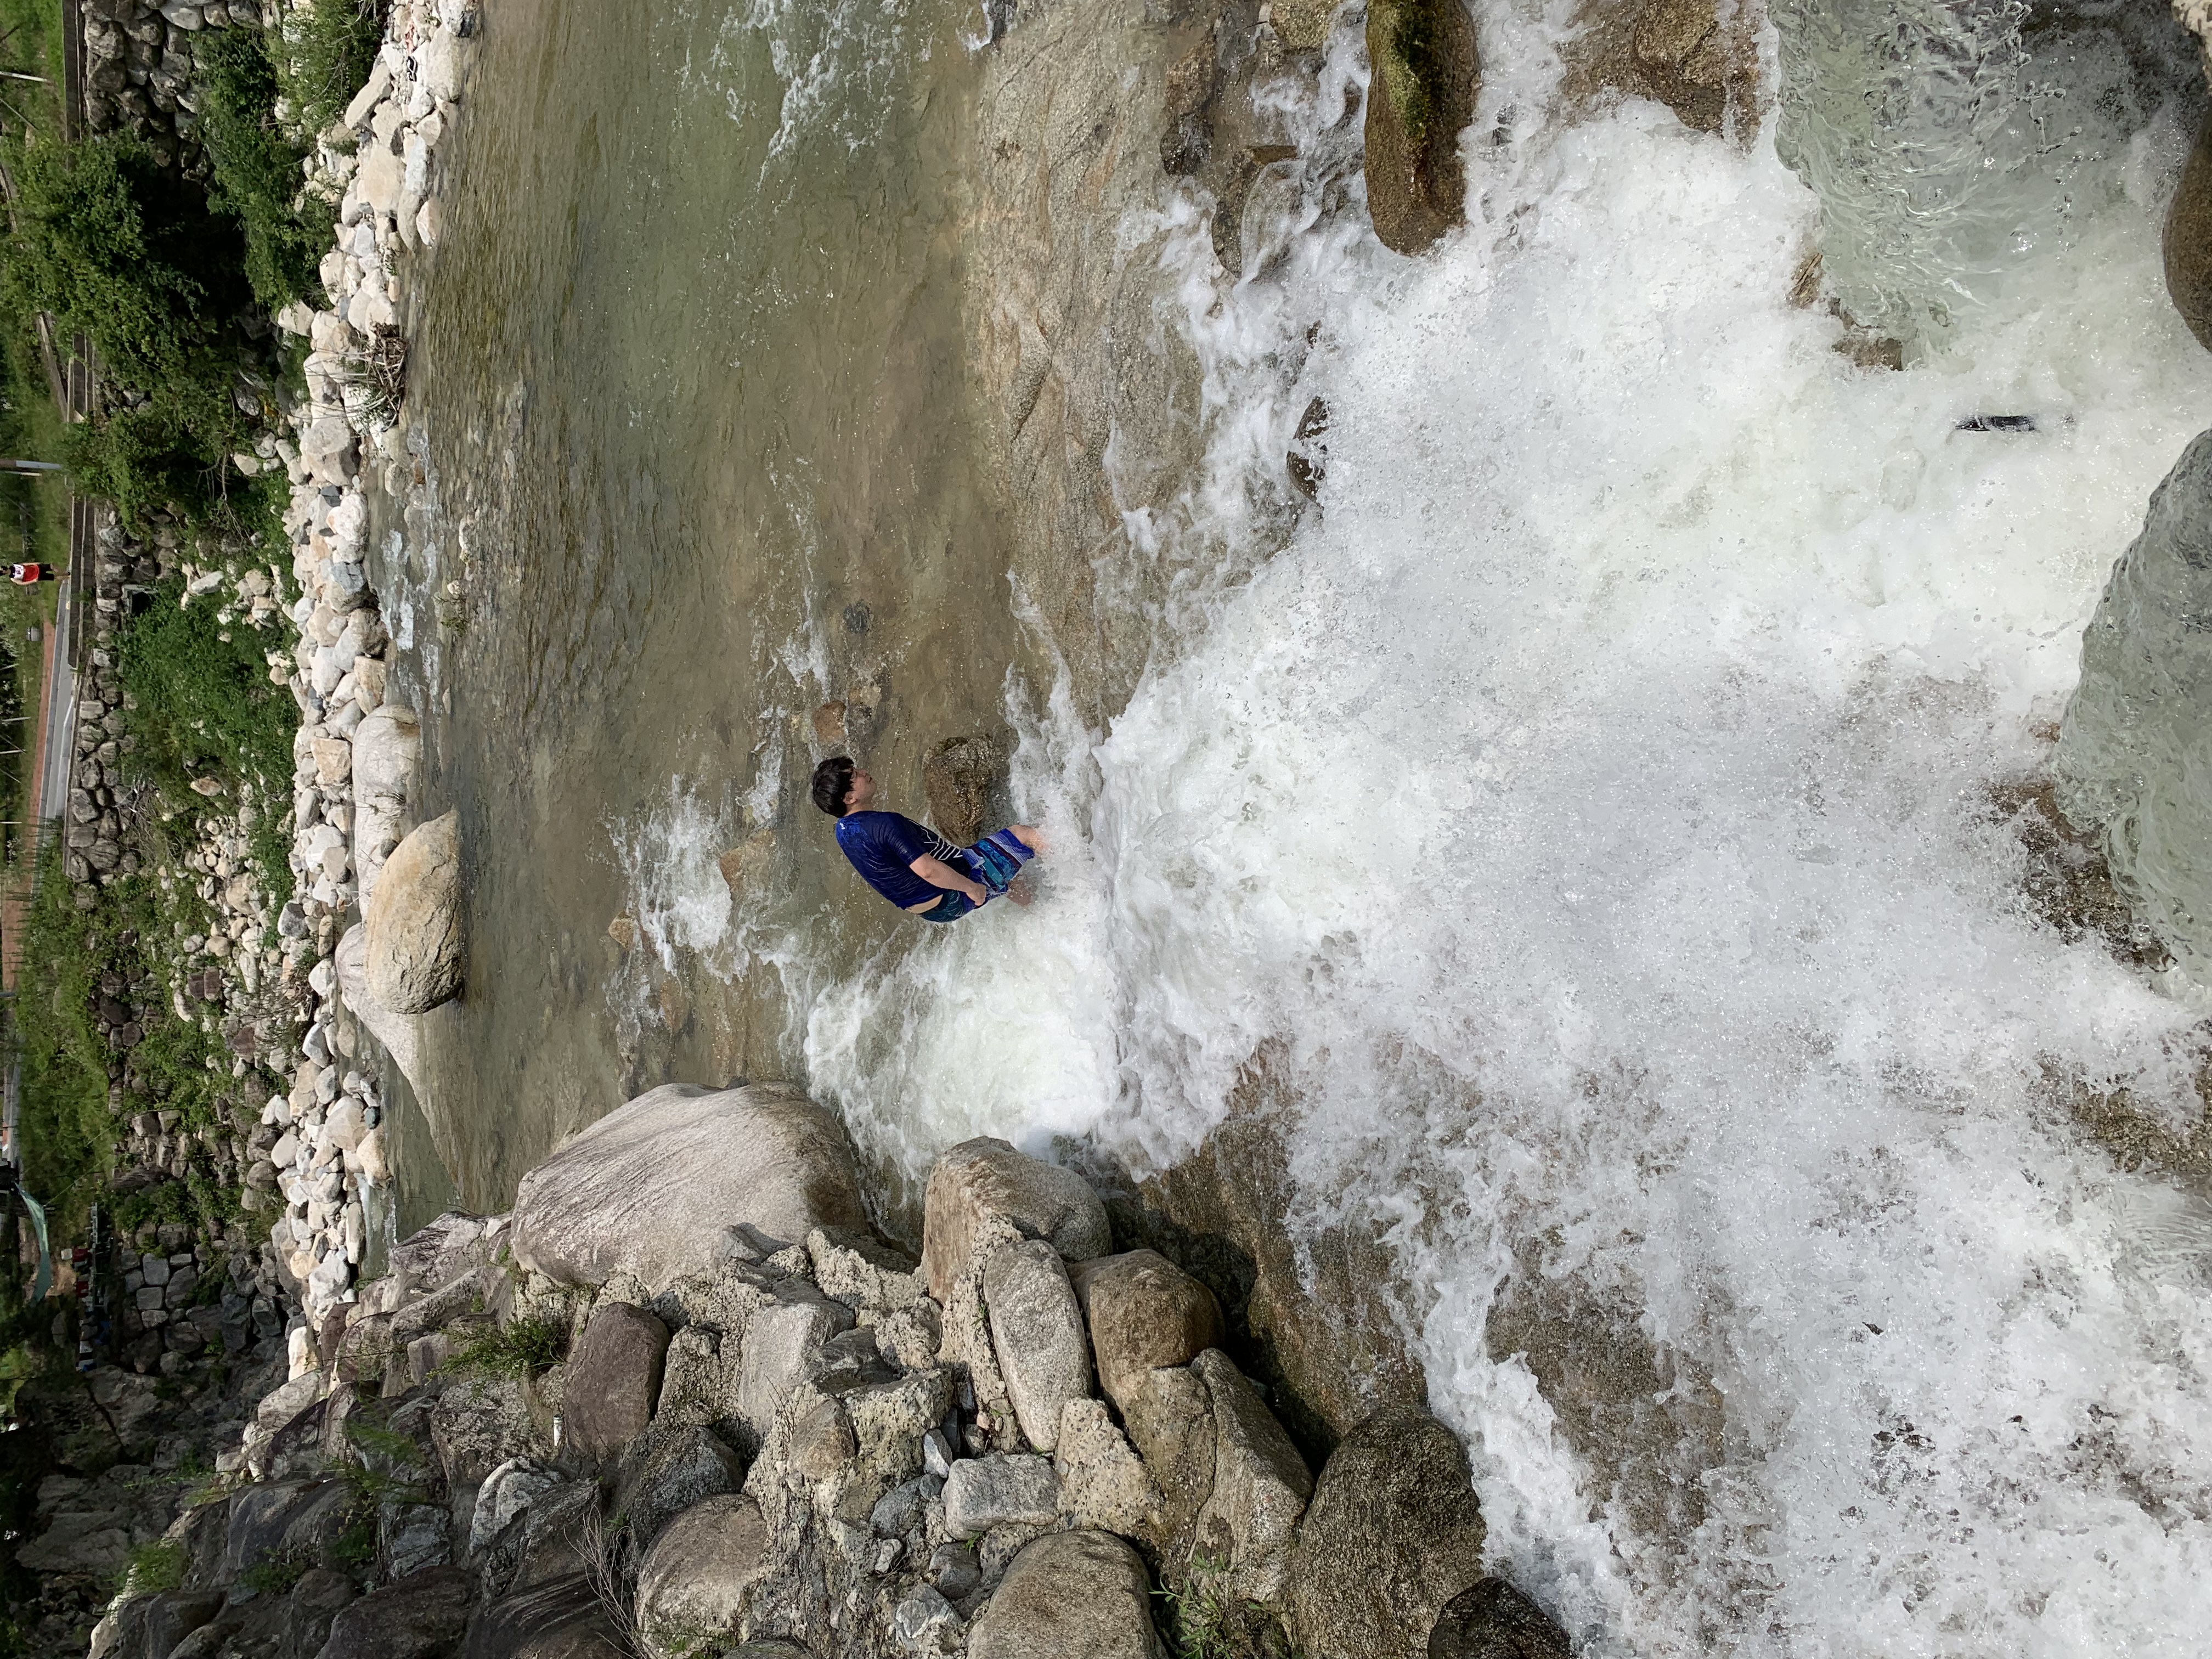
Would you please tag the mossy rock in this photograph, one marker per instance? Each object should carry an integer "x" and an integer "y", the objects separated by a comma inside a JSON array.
[{"x": 1426, "y": 74}]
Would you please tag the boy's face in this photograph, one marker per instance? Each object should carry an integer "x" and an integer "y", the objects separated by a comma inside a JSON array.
[{"x": 862, "y": 791}]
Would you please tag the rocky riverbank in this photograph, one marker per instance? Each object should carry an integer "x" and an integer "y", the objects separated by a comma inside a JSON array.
[{"x": 675, "y": 1405}]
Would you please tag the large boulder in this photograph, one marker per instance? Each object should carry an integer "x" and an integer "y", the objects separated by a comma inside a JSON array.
[
  {"x": 396, "y": 1031},
  {"x": 958, "y": 778},
  {"x": 1425, "y": 75},
  {"x": 983, "y": 1191},
  {"x": 319, "y": 1597},
  {"x": 386, "y": 746},
  {"x": 1144, "y": 1313},
  {"x": 2188, "y": 241},
  {"x": 1493, "y": 1620},
  {"x": 1394, "y": 1532},
  {"x": 613, "y": 1379},
  {"x": 1037, "y": 1330},
  {"x": 1169, "y": 1417},
  {"x": 1070, "y": 1595},
  {"x": 651, "y": 1187},
  {"x": 560, "y": 1619},
  {"x": 667, "y": 1471},
  {"x": 1260, "y": 1485},
  {"x": 420, "y": 1617},
  {"x": 692, "y": 1583},
  {"x": 2134, "y": 746},
  {"x": 415, "y": 955}
]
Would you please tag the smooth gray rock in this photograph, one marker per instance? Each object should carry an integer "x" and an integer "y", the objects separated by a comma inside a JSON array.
[
  {"x": 694, "y": 1581},
  {"x": 1260, "y": 1484},
  {"x": 507, "y": 1492},
  {"x": 415, "y": 952},
  {"x": 1070, "y": 1595},
  {"x": 1393, "y": 1535},
  {"x": 423, "y": 1616},
  {"x": 667, "y": 1471},
  {"x": 1144, "y": 1313},
  {"x": 781, "y": 1343},
  {"x": 319, "y": 1597},
  {"x": 985, "y": 1180},
  {"x": 1493, "y": 1620},
  {"x": 562, "y": 1617},
  {"x": 2135, "y": 747},
  {"x": 1037, "y": 1330},
  {"x": 983, "y": 1492},
  {"x": 613, "y": 1380},
  {"x": 651, "y": 1188}
]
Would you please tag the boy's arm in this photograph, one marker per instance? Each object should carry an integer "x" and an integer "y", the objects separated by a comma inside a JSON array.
[{"x": 936, "y": 873}]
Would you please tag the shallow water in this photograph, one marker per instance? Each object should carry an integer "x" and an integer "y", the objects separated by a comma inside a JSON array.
[
  {"x": 689, "y": 404},
  {"x": 1589, "y": 811}
]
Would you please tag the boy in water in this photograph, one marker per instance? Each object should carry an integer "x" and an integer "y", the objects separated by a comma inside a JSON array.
[{"x": 915, "y": 868}]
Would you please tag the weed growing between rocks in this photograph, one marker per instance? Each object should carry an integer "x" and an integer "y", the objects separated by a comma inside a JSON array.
[
  {"x": 515, "y": 1352},
  {"x": 253, "y": 169},
  {"x": 322, "y": 53},
  {"x": 156, "y": 1566}
]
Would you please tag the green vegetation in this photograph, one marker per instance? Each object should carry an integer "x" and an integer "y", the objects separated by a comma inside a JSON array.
[
  {"x": 323, "y": 53},
  {"x": 156, "y": 1566},
  {"x": 276, "y": 1574},
  {"x": 254, "y": 169},
  {"x": 204, "y": 701},
  {"x": 516, "y": 1351}
]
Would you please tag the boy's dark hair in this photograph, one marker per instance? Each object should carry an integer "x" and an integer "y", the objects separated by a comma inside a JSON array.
[{"x": 833, "y": 780}]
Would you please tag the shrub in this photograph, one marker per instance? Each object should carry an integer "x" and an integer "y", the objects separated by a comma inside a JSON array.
[
  {"x": 322, "y": 53},
  {"x": 203, "y": 696},
  {"x": 112, "y": 243},
  {"x": 66, "y": 1135},
  {"x": 254, "y": 170}
]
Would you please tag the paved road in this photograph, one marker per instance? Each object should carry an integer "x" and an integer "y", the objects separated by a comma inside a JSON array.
[{"x": 60, "y": 720}]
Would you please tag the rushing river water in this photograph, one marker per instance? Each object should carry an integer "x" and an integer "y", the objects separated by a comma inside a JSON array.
[{"x": 1592, "y": 810}]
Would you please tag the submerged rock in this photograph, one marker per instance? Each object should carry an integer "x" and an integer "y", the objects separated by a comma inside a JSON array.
[
  {"x": 959, "y": 777},
  {"x": 1069, "y": 1594},
  {"x": 651, "y": 1187},
  {"x": 1393, "y": 1535},
  {"x": 1426, "y": 76},
  {"x": 414, "y": 957},
  {"x": 2135, "y": 748},
  {"x": 2187, "y": 243}
]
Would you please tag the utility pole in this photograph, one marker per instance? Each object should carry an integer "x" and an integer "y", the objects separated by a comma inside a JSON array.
[{"x": 9, "y": 465}]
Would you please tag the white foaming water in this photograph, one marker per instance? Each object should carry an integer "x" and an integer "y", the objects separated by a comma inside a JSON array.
[{"x": 1588, "y": 811}]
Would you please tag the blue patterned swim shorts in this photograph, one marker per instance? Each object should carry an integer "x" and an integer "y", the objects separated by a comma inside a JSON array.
[{"x": 993, "y": 862}]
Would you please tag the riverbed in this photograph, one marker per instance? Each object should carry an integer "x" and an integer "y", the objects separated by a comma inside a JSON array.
[{"x": 1592, "y": 809}]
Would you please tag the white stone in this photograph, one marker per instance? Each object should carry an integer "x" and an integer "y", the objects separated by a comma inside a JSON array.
[{"x": 373, "y": 89}]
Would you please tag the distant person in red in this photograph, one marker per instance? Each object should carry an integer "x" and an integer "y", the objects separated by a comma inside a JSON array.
[
  {"x": 916, "y": 868},
  {"x": 30, "y": 575}
]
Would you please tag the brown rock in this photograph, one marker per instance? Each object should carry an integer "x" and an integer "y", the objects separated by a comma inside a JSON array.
[
  {"x": 2188, "y": 241},
  {"x": 1070, "y": 1595},
  {"x": 1393, "y": 1535},
  {"x": 613, "y": 1380},
  {"x": 985, "y": 1181},
  {"x": 1169, "y": 1417},
  {"x": 1260, "y": 1485},
  {"x": 1303, "y": 25},
  {"x": 623, "y": 931},
  {"x": 829, "y": 725},
  {"x": 1144, "y": 1313},
  {"x": 1493, "y": 1620},
  {"x": 1426, "y": 76},
  {"x": 748, "y": 863},
  {"x": 958, "y": 778}
]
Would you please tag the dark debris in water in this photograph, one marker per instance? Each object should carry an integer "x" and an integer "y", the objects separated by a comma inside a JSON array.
[{"x": 1999, "y": 423}]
